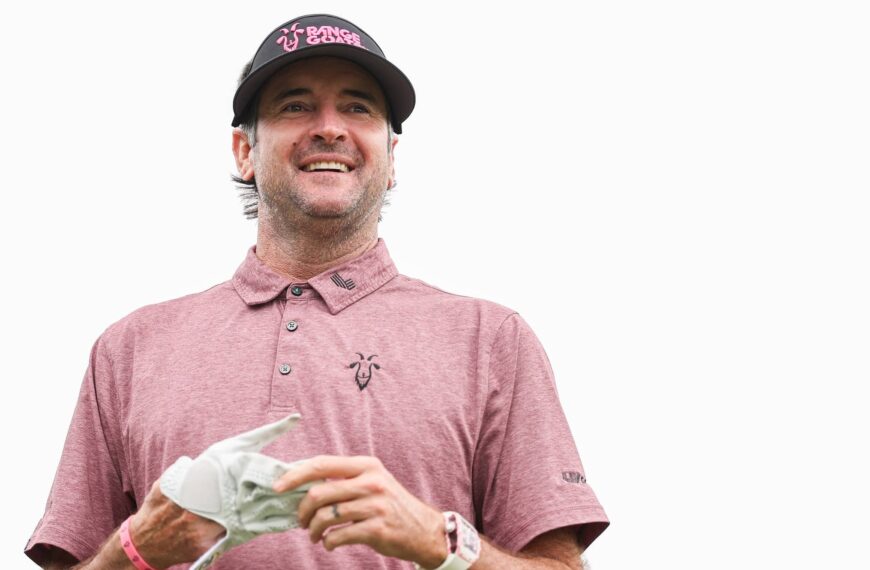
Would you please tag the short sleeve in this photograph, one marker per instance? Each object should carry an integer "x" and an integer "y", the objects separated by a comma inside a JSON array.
[
  {"x": 528, "y": 478},
  {"x": 87, "y": 500}
]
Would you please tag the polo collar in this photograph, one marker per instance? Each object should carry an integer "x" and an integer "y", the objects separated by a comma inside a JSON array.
[{"x": 339, "y": 286}]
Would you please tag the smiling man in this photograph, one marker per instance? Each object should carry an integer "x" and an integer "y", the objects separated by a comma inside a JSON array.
[{"x": 431, "y": 430}]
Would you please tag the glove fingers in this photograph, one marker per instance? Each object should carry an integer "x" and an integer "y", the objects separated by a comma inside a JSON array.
[
  {"x": 173, "y": 477},
  {"x": 271, "y": 514},
  {"x": 277, "y": 523},
  {"x": 257, "y": 438}
]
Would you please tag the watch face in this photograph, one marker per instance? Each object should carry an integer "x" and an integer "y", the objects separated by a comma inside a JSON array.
[{"x": 469, "y": 540}]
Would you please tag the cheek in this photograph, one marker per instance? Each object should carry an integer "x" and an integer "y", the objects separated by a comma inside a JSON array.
[{"x": 272, "y": 152}]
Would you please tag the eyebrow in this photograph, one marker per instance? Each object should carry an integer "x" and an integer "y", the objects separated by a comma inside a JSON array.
[
  {"x": 356, "y": 93},
  {"x": 292, "y": 93},
  {"x": 364, "y": 95}
]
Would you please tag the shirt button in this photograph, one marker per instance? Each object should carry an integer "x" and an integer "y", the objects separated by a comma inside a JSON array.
[
  {"x": 284, "y": 369},
  {"x": 296, "y": 291},
  {"x": 292, "y": 326}
]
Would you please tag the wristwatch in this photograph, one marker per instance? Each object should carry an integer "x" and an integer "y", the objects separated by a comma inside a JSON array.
[{"x": 463, "y": 543}]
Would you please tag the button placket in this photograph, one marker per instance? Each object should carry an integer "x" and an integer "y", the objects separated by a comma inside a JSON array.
[{"x": 285, "y": 380}]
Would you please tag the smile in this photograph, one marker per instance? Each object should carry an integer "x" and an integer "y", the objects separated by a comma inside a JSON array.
[{"x": 330, "y": 166}]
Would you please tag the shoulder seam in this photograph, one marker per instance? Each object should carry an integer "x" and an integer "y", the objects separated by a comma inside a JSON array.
[
  {"x": 113, "y": 387},
  {"x": 432, "y": 287},
  {"x": 482, "y": 410}
]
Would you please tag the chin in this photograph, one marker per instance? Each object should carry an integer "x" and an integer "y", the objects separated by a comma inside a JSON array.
[{"x": 331, "y": 210}]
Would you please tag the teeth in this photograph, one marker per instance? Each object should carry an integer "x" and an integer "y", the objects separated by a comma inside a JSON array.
[{"x": 326, "y": 166}]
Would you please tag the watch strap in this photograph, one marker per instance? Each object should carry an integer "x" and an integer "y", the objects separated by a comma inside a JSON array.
[{"x": 463, "y": 543}]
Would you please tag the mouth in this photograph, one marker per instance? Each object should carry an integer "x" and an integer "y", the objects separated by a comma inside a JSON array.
[{"x": 327, "y": 166}]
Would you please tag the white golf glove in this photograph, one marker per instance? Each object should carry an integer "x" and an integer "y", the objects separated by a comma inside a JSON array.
[{"x": 231, "y": 484}]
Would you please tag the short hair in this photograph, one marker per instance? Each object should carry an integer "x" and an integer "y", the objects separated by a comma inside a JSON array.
[
  {"x": 248, "y": 191},
  {"x": 249, "y": 194}
]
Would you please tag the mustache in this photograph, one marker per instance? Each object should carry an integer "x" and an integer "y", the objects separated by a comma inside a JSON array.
[{"x": 320, "y": 147}]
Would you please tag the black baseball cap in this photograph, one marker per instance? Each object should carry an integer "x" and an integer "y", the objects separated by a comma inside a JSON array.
[{"x": 320, "y": 35}]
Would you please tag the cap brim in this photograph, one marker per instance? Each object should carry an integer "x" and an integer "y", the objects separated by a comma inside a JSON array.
[{"x": 396, "y": 86}]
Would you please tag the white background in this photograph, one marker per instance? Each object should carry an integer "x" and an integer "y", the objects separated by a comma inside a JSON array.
[{"x": 673, "y": 194}]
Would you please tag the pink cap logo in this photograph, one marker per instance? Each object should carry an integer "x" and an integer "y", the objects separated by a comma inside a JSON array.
[{"x": 315, "y": 35}]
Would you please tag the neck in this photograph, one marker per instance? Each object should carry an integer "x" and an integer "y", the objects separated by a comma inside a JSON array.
[{"x": 300, "y": 256}]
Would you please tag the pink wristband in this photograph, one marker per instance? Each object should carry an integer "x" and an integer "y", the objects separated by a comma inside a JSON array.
[{"x": 130, "y": 549}]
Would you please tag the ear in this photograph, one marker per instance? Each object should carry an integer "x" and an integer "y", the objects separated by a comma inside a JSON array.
[
  {"x": 393, "y": 144},
  {"x": 375, "y": 364},
  {"x": 353, "y": 365},
  {"x": 242, "y": 154}
]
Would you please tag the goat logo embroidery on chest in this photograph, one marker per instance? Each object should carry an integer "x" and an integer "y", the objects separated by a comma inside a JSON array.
[{"x": 365, "y": 368}]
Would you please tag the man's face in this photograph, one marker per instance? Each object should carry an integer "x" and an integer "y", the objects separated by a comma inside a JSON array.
[{"x": 321, "y": 147}]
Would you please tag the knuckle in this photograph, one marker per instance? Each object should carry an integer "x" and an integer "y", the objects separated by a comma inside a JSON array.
[
  {"x": 375, "y": 485},
  {"x": 380, "y": 509},
  {"x": 331, "y": 538},
  {"x": 370, "y": 463},
  {"x": 319, "y": 515},
  {"x": 315, "y": 494}
]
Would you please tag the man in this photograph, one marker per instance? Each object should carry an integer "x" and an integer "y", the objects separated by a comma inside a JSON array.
[{"x": 414, "y": 402}]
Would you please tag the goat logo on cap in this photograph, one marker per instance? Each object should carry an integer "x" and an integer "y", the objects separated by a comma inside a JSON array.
[
  {"x": 315, "y": 35},
  {"x": 287, "y": 44},
  {"x": 364, "y": 370}
]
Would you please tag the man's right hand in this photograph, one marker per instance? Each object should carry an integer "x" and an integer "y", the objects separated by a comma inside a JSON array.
[{"x": 165, "y": 534}]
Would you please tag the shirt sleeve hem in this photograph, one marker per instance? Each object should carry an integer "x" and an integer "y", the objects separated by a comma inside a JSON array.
[
  {"x": 51, "y": 535},
  {"x": 592, "y": 517}
]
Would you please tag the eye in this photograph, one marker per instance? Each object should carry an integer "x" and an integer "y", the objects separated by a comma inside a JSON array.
[
  {"x": 359, "y": 108},
  {"x": 294, "y": 107}
]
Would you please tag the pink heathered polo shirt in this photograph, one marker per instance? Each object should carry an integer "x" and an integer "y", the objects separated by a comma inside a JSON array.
[{"x": 455, "y": 395}]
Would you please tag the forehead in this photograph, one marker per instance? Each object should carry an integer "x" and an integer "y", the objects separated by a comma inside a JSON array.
[{"x": 323, "y": 74}]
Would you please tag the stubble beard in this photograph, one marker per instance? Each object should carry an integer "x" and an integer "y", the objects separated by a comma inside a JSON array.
[{"x": 284, "y": 206}]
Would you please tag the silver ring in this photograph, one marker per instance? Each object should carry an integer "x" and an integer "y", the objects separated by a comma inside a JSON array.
[{"x": 335, "y": 511}]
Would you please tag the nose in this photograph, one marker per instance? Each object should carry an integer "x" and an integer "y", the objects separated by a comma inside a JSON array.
[{"x": 329, "y": 126}]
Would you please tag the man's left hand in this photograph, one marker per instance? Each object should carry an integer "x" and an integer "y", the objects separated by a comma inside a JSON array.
[{"x": 381, "y": 512}]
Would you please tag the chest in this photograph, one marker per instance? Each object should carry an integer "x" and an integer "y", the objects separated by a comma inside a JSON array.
[{"x": 407, "y": 390}]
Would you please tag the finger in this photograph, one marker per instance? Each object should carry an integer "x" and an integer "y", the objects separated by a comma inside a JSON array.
[
  {"x": 334, "y": 492},
  {"x": 324, "y": 467},
  {"x": 364, "y": 532},
  {"x": 350, "y": 512},
  {"x": 256, "y": 439}
]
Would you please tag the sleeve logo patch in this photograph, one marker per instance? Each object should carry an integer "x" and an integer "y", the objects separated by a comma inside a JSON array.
[{"x": 573, "y": 477}]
